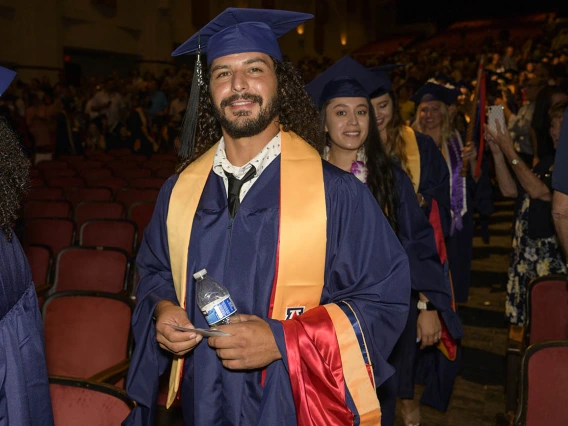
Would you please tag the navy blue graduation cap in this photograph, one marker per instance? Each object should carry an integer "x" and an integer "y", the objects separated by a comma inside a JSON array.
[
  {"x": 383, "y": 79},
  {"x": 444, "y": 78},
  {"x": 6, "y": 77},
  {"x": 234, "y": 30},
  {"x": 463, "y": 83},
  {"x": 237, "y": 30},
  {"x": 345, "y": 79},
  {"x": 435, "y": 92}
]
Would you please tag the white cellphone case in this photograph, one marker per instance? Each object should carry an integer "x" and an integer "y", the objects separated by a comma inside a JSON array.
[{"x": 495, "y": 112}]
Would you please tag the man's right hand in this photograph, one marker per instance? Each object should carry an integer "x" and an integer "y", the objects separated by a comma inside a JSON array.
[{"x": 176, "y": 342}]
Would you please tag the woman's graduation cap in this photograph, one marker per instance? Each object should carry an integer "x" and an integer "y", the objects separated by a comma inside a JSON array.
[
  {"x": 233, "y": 31},
  {"x": 344, "y": 79},
  {"x": 432, "y": 91},
  {"x": 6, "y": 77},
  {"x": 383, "y": 79}
]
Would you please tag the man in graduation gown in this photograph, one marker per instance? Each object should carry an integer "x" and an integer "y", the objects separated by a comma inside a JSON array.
[
  {"x": 319, "y": 278},
  {"x": 24, "y": 387}
]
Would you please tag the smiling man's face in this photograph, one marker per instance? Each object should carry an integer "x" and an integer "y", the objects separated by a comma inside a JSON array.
[{"x": 243, "y": 89}]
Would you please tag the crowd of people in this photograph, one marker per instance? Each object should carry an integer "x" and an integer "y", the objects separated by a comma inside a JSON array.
[{"x": 407, "y": 126}]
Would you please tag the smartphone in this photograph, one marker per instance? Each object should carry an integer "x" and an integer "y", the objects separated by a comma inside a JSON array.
[{"x": 496, "y": 113}]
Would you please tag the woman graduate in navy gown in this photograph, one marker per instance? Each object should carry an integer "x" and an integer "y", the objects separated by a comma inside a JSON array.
[
  {"x": 342, "y": 94},
  {"x": 24, "y": 388},
  {"x": 418, "y": 155},
  {"x": 433, "y": 119}
]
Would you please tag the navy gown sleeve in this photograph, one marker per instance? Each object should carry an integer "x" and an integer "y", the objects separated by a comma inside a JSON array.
[
  {"x": 417, "y": 238},
  {"x": 434, "y": 179},
  {"x": 149, "y": 361},
  {"x": 366, "y": 266},
  {"x": 24, "y": 387}
]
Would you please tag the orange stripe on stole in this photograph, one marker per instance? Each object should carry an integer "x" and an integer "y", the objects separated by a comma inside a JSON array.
[
  {"x": 181, "y": 211},
  {"x": 412, "y": 155},
  {"x": 354, "y": 369},
  {"x": 303, "y": 229}
]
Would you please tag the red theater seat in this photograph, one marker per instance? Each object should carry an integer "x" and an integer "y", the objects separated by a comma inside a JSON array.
[
  {"x": 56, "y": 233},
  {"x": 120, "y": 234},
  {"x": 544, "y": 385},
  {"x": 91, "y": 269},
  {"x": 86, "y": 334}
]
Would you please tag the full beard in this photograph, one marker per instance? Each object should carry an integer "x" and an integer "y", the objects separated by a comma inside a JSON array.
[{"x": 247, "y": 127}]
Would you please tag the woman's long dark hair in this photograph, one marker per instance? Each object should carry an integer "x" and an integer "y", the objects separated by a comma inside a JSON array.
[
  {"x": 14, "y": 173},
  {"x": 380, "y": 179},
  {"x": 395, "y": 146},
  {"x": 297, "y": 113}
]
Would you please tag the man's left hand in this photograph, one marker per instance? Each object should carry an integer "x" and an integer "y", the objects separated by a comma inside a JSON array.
[{"x": 250, "y": 346}]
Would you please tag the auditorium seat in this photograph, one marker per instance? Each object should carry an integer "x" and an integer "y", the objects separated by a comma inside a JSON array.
[
  {"x": 89, "y": 210},
  {"x": 120, "y": 234},
  {"x": 91, "y": 269},
  {"x": 87, "y": 334},
  {"x": 544, "y": 385}
]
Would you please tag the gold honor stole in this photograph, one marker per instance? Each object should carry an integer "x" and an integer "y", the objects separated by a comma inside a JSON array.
[
  {"x": 301, "y": 250},
  {"x": 412, "y": 155}
]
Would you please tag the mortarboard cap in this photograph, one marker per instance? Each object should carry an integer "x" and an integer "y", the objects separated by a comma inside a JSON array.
[
  {"x": 432, "y": 91},
  {"x": 235, "y": 30},
  {"x": 238, "y": 30},
  {"x": 345, "y": 79},
  {"x": 383, "y": 80},
  {"x": 463, "y": 83},
  {"x": 444, "y": 78},
  {"x": 6, "y": 77}
]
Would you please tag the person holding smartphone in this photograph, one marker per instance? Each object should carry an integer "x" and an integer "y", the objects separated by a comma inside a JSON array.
[
  {"x": 535, "y": 248},
  {"x": 519, "y": 124}
]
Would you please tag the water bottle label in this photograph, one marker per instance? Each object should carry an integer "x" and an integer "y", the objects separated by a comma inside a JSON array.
[{"x": 218, "y": 310}]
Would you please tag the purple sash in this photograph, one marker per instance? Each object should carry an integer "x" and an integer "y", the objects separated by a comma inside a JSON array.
[{"x": 457, "y": 196}]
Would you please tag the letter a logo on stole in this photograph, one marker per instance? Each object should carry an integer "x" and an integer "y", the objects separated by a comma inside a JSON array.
[{"x": 294, "y": 312}]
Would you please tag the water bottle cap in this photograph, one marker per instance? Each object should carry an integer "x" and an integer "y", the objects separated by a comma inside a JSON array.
[{"x": 200, "y": 274}]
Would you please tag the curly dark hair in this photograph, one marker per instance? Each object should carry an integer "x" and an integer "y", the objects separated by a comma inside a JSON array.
[
  {"x": 380, "y": 179},
  {"x": 297, "y": 112},
  {"x": 14, "y": 178}
]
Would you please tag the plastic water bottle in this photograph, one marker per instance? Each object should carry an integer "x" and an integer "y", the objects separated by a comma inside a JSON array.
[{"x": 214, "y": 301}]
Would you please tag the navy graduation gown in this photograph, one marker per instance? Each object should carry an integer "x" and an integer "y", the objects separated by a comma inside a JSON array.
[
  {"x": 434, "y": 179},
  {"x": 24, "y": 387},
  {"x": 427, "y": 276},
  {"x": 365, "y": 265},
  {"x": 460, "y": 245}
]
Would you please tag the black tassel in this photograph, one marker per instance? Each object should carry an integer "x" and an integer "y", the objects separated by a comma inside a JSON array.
[{"x": 189, "y": 126}]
